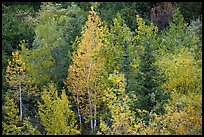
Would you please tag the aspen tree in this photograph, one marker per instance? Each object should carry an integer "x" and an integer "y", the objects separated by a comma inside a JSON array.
[
  {"x": 10, "y": 121},
  {"x": 122, "y": 120},
  {"x": 10, "y": 117},
  {"x": 55, "y": 113},
  {"x": 15, "y": 76},
  {"x": 85, "y": 72}
]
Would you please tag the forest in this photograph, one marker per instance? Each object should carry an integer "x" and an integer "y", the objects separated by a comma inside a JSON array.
[{"x": 101, "y": 68}]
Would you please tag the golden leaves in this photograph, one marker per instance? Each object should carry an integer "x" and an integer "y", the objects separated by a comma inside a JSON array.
[
  {"x": 55, "y": 112},
  {"x": 15, "y": 70}
]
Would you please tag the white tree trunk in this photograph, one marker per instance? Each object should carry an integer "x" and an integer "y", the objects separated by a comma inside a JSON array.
[
  {"x": 94, "y": 116},
  {"x": 20, "y": 98},
  {"x": 79, "y": 110},
  {"x": 90, "y": 109},
  {"x": 21, "y": 108},
  {"x": 89, "y": 95}
]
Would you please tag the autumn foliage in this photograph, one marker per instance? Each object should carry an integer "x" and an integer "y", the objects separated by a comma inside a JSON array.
[{"x": 110, "y": 80}]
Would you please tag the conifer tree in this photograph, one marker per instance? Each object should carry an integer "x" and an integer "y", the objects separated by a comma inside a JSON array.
[
  {"x": 119, "y": 50},
  {"x": 151, "y": 96}
]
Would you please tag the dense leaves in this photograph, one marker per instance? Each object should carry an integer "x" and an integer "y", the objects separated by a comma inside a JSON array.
[
  {"x": 86, "y": 71},
  {"x": 55, "y": 113},
  {"x": 13, "y": 124},
  {"x": 101, "y": 68}
]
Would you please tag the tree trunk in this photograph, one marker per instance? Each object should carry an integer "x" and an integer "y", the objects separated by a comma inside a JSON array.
[
  {"x": 20, "y": 99},
  {"x": 21, "y": 108},
  {"x": 94, "y": 116},
  {"x": 89, "y": 96},
  {"x": 79, "y": 110}
]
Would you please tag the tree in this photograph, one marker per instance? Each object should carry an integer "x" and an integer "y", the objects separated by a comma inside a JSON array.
[
  {"x": 151, "y": 96},
  {"x": 181, "y": 46},
  {"x": 183, "y": 116},
  {"x": 122, "y": 119},
  {"x": 181, "y": 70},
  {"x": 119, "y": 46},
  {"x": 14, "y": 27},
  {"x": 162, "y": 15},
  {"x": 120, "y": 52},
  {"x": 40, "y": 66},
  {"x": 47, "y": 45},
  {"x": 176, "y": 35},
  {"x": 85, "y": 72},
  {"x": 56, "y": 29},
  {"x": 15, "y": 76},
  {"x": 4, "y": 64},
  {"x": 10, "y": 122},
  {"x": 20, "y": 87},
  {"x": 55, "y": 113},
  {"x": 10, "y": 117},
  {"x": 195, "y": 33},
  {"x": 190, "y": 10},
  {"x": 179, "y": 60},
  {"x": 128, "y": 10}
]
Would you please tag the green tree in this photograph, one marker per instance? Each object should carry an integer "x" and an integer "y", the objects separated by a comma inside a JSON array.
[
  {"x": 190, "y": 10},
  {"x": 176, "y": 35},
  {"x": 4, "y": 64},
  {"x": 56, "y": 114},
  {"x": 119, "y": 45},
  {"x": 128, "y": 10},
  {"x": 40, "y": 66},
  {"x": 56, "y": 29},
  {"x": 14, "y": 27},
  {"x": 150, "y": 95},
  {"x": 194, "y": 31},
  {"x": 33, "y": 89},
  {"x": 120, "y": 52},
  {"x": 48, "y": 63}
]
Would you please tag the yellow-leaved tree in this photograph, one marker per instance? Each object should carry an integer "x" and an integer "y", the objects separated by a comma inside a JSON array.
[
  {"x": 86, "y": 70},
  {"x": 13, "y": 120},
  {"x": 15, "y": 76},
  {"x": 10, "y": 122},
  {"x": 119, "y": 120},
  {"x": 184, "y": 78},
  {"x": 10, "y": 117},
  {"x": 55, "y": 113}
]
